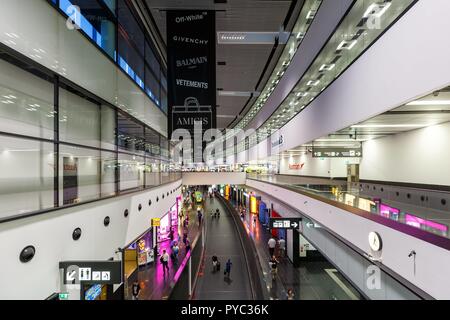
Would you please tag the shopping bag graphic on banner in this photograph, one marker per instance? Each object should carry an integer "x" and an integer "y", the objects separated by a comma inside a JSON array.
[{"x": 185, "y": 117}]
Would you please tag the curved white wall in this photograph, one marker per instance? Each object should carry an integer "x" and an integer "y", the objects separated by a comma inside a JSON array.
[
  {"x": 51, "y": 235},
  {"x": 431, "y": 261}
]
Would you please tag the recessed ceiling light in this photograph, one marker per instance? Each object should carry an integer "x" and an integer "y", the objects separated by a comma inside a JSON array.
[{"x": 348, "y": 45}]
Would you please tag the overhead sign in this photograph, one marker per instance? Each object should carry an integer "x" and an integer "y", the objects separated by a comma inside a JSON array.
[
  {"x": 191, "y": 50},
  {"x": 92, "y": 272},
  {"x": 337, "y": 152},
  {"x": 285, "y": 223}
]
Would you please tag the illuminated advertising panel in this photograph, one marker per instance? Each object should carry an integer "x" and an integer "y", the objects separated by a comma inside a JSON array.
[{"x": 253, "y": 205}]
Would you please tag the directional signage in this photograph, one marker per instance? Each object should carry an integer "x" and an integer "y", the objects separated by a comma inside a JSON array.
[
  {"x": 337, "y": 152},
  {"x": 285, "y": 223},
  {"x": 92, "y": 272}
]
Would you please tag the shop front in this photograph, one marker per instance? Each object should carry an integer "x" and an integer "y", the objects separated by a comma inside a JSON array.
[
  {"x": 169, "y": 222},
  {"x": 136, "y": 256}
]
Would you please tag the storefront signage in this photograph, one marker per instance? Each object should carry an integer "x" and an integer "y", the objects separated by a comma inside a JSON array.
[
  {"x": 285, "y": 223},
  {"x": 191, "y": 50},
  {"x": 156, "y": 222},
  {"x": 337, "y": 152},
  {"x": 92, "y": 272},
  {"x": 296, "y": 166}
]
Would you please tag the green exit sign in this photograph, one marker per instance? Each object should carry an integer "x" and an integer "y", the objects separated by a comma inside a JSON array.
[{"x": 63, "y": 296}]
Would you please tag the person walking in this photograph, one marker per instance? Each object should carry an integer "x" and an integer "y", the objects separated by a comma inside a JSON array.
[
  {"x": 175, "y": 251},
  {"x": 185, "y": 235},
  {"x": 135, "y": 290},
  {"x": 290, "y": 294},
  {"x": 272, "y": 243},
  {"x": 273, "y": 267},
  {"x": 165, "y": 261},
  {"x": 282, "y": 247},
  {"x": 227, "y": 271},
  {"x": 200, "y": 217},
  {"x": 188, "y": 246},
  {"x": 215, "y": 262}
]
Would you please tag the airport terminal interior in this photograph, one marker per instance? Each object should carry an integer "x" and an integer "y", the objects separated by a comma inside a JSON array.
[{"x": 244, "y": 150}]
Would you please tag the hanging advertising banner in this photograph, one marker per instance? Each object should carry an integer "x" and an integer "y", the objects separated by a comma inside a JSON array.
[{"x": 191, "y": 50}]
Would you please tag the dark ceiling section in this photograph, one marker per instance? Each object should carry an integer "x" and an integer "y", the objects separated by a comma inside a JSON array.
[{"x": 242, "y": 67}]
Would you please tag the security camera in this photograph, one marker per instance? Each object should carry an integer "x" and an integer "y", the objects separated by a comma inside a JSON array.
[
  {"x": 436, "y": 93},
  {"x": 411, "y": 254}
]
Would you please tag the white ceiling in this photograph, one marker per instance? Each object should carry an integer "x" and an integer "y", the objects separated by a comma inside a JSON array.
[{"x": 244, "y": 63}]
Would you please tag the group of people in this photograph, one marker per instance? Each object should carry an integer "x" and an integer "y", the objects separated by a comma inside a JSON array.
[
  {"x": 216, "y": 267},
  {"x": 272, "y": 244},
  {"x": 274, "y": 262}
]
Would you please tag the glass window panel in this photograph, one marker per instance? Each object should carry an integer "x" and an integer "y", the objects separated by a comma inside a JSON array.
[
  {"x": 94, "y": 21},
  {"x": 26, "y": 103},
  {"x": 111, "y": 4},
  {"x": 131, "y": 171},
  {"x": 151, "y": 59},
  {"x": 131, "y": 30},
  {"x": 130, "y": 61},
  {"x": 152, "y": 86},
  {"x": 131, "y": 135},
  {"x": 79, "y": 174},
  {"x": 131, "y": 44},
  {"x": 164, "y": 101},
  {"x": 108, "y": 128},
  {"x": 79, "y": 120},
  {"x": 108, "y": 173},
  {"x": 152, "y": 140},
  {"x": 165, "y": 177},
  {"x": 26, "y": 176},
  {"x": 164, "y": 148},
  {"x": 152, "y": 172}
]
